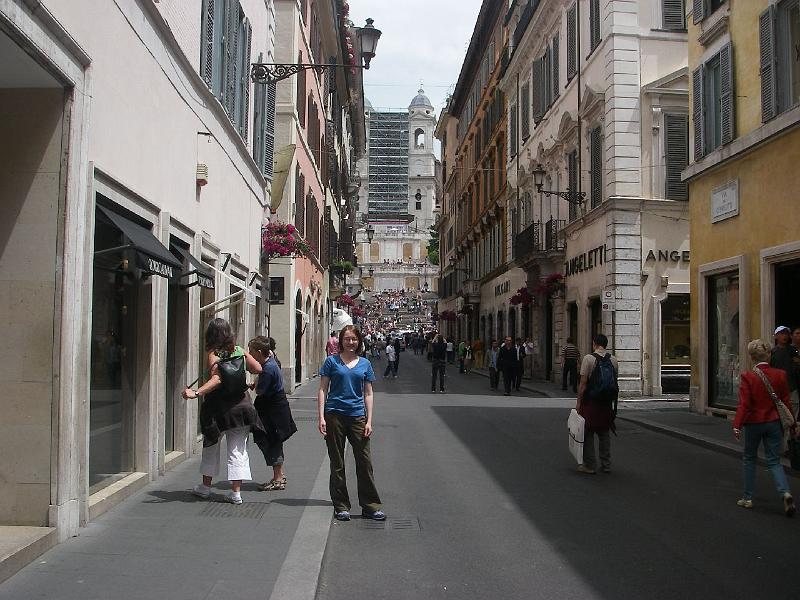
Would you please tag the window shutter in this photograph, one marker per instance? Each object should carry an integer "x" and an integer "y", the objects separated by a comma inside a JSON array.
[
  {"x": 769, "y": 96},
  {"x": 677, "y": 155},
  {"x": 538, "y": 90},
  {"x": 525, "y": 114},
  {"x": 726, "y": 93},
  {"x": 596, "y": 151},
  {"x": 594, "y": 23},
  {"x": 301, "y": 94},
  {"x": 699, "y": 11},
  {"x": 512, "y": 150},
  {"x": 554, "y": 54},
  {"x": 259, "y": 109},
  {"x": 547, "y": 92},
  {"x": 698, "y": 111},
  {"x": 231, "y": 58},
  {"x": 244, "y": 77},
  {"x": 300, "y": 203},
  {"x": 269, "y": 132},
  {"x": 572, "y": 41},
  {"x": 572, "y": 180},
  {"x": 673, "y": 15},
  {"x": 207, "y": 52}
]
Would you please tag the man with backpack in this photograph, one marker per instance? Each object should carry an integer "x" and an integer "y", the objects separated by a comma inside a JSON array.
[{"x": 598, "y": 393}]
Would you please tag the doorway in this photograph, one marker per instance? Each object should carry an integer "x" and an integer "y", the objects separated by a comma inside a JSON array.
[
  {"x": 298, "y": 339},
  {"x": 787, "y": 288},
  {"x": 549, "y": 341}
]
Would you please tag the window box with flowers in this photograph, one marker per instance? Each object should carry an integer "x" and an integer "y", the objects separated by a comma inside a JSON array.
[
  {"x": 522, "y": 297},
  {"x": 280, "y": 240}
]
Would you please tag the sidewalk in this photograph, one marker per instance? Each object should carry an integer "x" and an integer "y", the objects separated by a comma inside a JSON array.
[{"x": 163, "y": 542}]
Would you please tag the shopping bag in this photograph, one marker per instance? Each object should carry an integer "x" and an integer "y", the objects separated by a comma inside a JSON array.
[{"x": 576, "y": 425}]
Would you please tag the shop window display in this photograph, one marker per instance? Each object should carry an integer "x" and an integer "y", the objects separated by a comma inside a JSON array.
[{"x": 723, "y": 340}]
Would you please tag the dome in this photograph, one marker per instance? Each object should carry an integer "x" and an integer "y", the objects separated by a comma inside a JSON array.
[{"x": 421, "y": 100}]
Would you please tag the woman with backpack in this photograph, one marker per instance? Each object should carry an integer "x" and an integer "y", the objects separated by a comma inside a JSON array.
[{"x": 226, "y": 410}]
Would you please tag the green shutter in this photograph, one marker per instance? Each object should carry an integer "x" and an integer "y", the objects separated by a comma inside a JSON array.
[
  {"x": 769, "y": 96},
  {"x": 244, "y": 79},
  {"x": 699, "y": 11},
  {"x": 525, "y": 101},
  {"x": 231, "y": 56},
  {"x": 512, "y": 149},
  {"x": 269, "y": 132},
  {"x": 676, "y": 137},
  {"x": 207, "y": 43},
  {"x": 726, "y": 94},
  {"x": 673, "y": 15},
  {"x": 554, "y": 54},
  {"x": 259, "y": 107},
  {"x": 594, "y": 24},
  {"x": 538, "y": 90},
  {"x": 596, "y": 174},
  {"x": 698, "y": 112}
]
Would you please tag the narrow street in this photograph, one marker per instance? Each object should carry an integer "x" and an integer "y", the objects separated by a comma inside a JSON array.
[{"x": 482, "y": 501}]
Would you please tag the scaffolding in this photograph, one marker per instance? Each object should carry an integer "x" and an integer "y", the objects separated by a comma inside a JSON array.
[{"x": 388, "y": 164}]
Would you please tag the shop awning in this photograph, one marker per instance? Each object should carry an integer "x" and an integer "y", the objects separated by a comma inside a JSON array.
[
  {"x": 152, "y": 257},
  {"x": 204, "y": 274}
]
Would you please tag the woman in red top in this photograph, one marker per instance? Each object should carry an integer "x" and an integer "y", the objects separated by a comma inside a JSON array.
[{"x": 759, "y": 417}]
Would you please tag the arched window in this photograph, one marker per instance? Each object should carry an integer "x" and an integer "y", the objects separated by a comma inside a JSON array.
[{"x": 419, "y": 138}]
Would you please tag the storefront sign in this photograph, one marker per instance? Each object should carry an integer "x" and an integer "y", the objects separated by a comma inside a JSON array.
[
  {"x": 586, "y": 261},
  {"x": 668, "y": 256},
  {"x": 725, "y": 201},
  {"x": 502, "y": 288},
  {"x": 159, "y": 268},
  {"x": 204, "y": 281}
]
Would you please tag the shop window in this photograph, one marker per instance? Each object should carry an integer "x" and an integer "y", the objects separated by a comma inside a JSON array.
[
  {"x": 112, "y": 395},
  {"x": 723, "y": 340},
  {"x": 675, "y": 346},
  {"x": 596, "y": 317},
  {"x": 787, "y": 290}
]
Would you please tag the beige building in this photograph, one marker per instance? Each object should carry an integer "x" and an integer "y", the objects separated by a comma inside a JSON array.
[
  {"x": 598, "y": 112},
  {"x": 137, "y": 177}
]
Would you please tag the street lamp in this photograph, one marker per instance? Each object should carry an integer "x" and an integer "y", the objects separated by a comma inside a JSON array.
[
  {"x": 370, "y": 232},
  {"x": 274, "y": 72},
  {"x": 575, "y": 198}
]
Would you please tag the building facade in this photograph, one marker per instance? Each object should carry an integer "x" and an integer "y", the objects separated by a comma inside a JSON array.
[
  {"x": 398, "y": 198},
  {"x": 138, "y": 197},
  {"x": 597, "y": 214},
  {"x": 473, "y": 224},
  {"x": 745, "y": 138},
  {"x": 319, "y": 122}
]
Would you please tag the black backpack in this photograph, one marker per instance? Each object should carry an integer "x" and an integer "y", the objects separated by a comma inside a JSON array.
[
  {"x": 233, "y": 374},
  {"x": 603, "y": 387}
]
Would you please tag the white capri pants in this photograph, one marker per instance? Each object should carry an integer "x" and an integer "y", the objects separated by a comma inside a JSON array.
[{"x": 238, "y": 460}]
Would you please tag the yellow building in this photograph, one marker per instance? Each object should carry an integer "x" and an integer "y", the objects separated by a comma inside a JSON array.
[{"x": 744, "y": 182}]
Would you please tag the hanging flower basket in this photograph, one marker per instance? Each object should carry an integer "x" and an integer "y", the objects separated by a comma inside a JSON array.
[
  {"x": 522, "y": 297},
  {"x": 550, "y": 286},
  {"x": 345, "y": 300},
  {"x": 282, "y": 240}
]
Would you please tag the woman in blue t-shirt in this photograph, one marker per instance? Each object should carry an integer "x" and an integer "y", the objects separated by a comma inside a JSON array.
[{"x": 345, "y": 413}]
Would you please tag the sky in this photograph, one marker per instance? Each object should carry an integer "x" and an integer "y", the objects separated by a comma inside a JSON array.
[{"x": 423, "y": 41}]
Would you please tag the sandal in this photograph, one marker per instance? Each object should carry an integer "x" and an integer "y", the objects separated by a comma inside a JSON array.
[{"x": 275, "y": 484}]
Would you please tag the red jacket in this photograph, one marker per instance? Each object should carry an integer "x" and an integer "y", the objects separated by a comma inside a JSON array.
[{"x": 755, "y": 403}]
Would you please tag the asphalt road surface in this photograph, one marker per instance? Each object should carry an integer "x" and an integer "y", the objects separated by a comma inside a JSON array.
[{"x": 484, "y": 502}]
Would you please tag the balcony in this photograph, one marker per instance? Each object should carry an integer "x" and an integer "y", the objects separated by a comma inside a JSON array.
[
  {"x": 471, "y": 291},
  {"x": 537, "y": 239}
]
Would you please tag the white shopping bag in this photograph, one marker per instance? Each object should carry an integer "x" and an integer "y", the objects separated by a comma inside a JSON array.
[{"x": 576, "y": 425}]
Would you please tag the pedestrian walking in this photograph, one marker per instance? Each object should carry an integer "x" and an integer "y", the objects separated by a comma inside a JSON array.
[
  {"x": 477, "y": 351},
  {"x": 332, "y": 347},
  {"x": 598, "y": 393},
  {"x": 439, "y": 356},
  {"x": 460, "y": 352},
  {"x": 273, "y": 410},
  {"x": 491, "y": 363},
  {"x": 760, "y": 392},
  {"x": 785, "y": 356},
  {"x": 507, "y": 364},
  {"x": 468, "y": 358},
  {"x": 226, "y": 410},
  {"x": 529, "y": 350},
  {"x": 398, "y": 348},
  {"x": 451, "y": 352},
  {"x": 569, "y": 365},
  {"x": 345, "y": 404},
  {"x": 519, "y": 365},
  {"x": 391, "y": 361}
]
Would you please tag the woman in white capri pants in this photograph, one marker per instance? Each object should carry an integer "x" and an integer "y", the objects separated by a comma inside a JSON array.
[{"x": 226, "y": 411}]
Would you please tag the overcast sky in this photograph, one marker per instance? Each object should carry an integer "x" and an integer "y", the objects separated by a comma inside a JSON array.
[{"x": 423, "y": 40}]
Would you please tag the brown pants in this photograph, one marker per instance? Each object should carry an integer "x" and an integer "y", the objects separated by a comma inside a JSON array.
[{"x": 339, "y": 428}]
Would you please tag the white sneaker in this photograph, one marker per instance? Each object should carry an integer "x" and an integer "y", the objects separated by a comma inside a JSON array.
[
  {"x": 201, "y": 491},
  {"x": 233, "y": 499}
]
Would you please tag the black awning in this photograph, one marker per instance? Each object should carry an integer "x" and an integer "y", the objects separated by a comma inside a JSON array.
[
  {"x": 152, "y": 257},
  {"x": 203, "y": 272}
]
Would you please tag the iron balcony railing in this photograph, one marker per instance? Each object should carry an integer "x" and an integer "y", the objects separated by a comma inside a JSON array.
[
  {"x": 551, "y": 229},
  {"x": 539, "y": 237}
]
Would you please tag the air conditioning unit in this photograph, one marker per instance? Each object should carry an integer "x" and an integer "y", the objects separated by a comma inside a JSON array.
[{"x": 202, "y": 174}]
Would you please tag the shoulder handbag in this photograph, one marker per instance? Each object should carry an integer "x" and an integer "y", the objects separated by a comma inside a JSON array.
[{"x": 786, "y": 417}]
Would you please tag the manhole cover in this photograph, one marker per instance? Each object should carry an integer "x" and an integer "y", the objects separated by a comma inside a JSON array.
[
  {"x": 224, "y": 510},
  {"x": 404, "y": 524}
]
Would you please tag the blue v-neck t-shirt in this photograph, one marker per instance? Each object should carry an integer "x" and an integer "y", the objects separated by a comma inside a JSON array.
[{"x": 346, "y": 391}]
